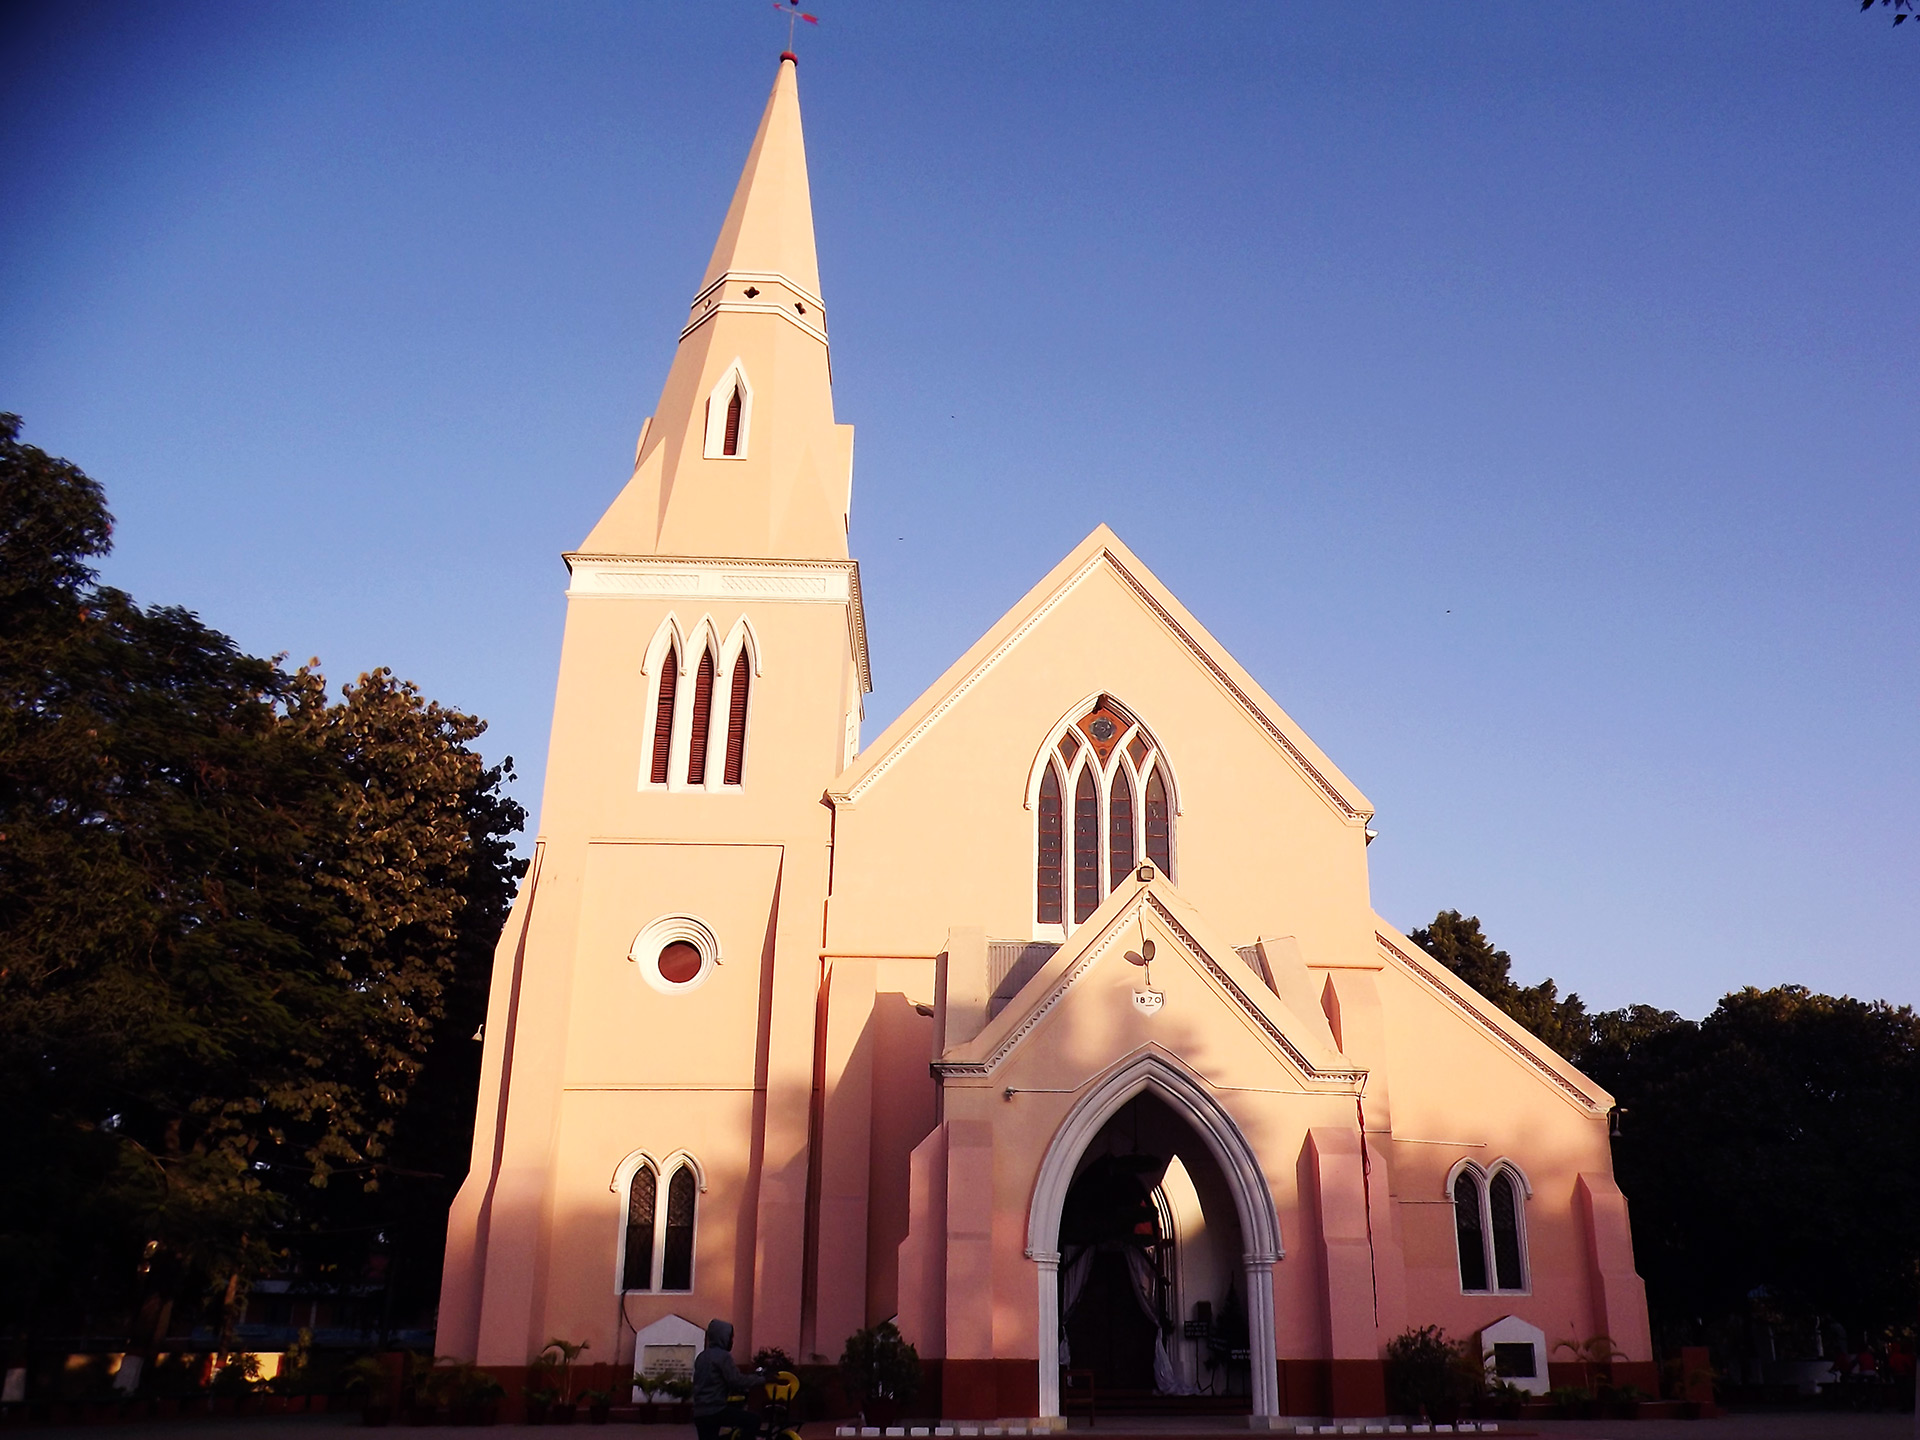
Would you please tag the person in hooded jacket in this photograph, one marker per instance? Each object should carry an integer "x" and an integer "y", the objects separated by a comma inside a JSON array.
[{"x": 715, "y": 1380}]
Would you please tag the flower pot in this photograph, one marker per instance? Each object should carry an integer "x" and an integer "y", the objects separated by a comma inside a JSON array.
[
  {"x": 375, "y": 1413},
  {"x": 561, "y": 1412},
  {"x": 598, "y": 1411}
]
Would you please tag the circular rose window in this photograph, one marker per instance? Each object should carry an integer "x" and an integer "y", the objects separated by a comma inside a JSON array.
[
  {"x": 674, "y": 953},
  {"x": 680, "y": 963}
]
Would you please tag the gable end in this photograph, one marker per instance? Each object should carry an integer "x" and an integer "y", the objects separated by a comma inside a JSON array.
[{"x": 1487, "y": 1024}]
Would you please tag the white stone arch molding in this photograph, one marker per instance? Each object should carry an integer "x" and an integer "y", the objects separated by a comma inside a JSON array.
[
  {"x": 741, "y": 637},
  {"x": 1482, "y": 1179},
  {"x": 717, "y": 398},
  {"x": 663, "y": 1171},
  {"x": 657, "y": 934},
  {"x": 1188, "y": 1096},
  {"x": 1044, "y": 755},
  {"x": 668, "y": 636}
]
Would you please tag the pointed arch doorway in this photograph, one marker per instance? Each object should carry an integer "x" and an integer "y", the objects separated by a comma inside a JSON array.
[{"x": 1089, "y": 1185}]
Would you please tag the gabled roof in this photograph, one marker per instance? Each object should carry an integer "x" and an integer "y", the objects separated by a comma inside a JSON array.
[
  {"x": 1101, "y": 940},
  {"x": 1520, "y": 1043},
  {"x": 1104, "y": 550}
]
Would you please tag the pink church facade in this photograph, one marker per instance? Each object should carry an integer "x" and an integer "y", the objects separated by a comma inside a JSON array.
[{"x": 1055, "y": 1023}]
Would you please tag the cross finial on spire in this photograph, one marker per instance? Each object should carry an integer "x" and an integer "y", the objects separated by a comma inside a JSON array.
[{"x": 793, "y": 12}]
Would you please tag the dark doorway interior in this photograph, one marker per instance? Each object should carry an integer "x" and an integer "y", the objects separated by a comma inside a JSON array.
[{"x": 1110, "y": 1324}]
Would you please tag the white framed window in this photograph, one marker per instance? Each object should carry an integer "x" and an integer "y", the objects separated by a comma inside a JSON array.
[
  {"x": 729, "y": 414},
  {"x": 675, "y": 953},
  {"x": 1104, "y": 801},
  {"x": 660, "y": 1205},
  {"x": 699, "y": 695},
  {"x": 1490, "y": 1227}
]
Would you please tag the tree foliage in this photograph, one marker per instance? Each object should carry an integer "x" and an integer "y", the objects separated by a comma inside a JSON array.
[
  {"x": 1457, "y": 943},
  {"x": 1769, "y": 1151},
  {"x": 234, "y": 913}
]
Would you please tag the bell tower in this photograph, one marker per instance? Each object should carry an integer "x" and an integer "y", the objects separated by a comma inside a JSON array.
[{"x": 641, "y": 1145}]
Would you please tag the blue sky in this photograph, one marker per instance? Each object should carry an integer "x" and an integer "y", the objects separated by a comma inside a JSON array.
[{"x": 1524, "y": 393}]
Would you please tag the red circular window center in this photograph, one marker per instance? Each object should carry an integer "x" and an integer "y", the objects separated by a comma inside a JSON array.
[{"x": 679, "y": 963}]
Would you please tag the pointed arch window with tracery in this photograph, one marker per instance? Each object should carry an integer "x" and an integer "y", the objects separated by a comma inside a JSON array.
[
  {"x": 656, "y": 1241},
  {"x": 1102, "y": 801},
  {"x": 1489, "y": 1221}
]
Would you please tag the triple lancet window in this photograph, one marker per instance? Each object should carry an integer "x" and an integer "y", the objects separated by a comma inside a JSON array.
[
  {"x": 656, "y": 1251},
  {"x": 1105, "y": 805},
  {"x": 698, "y": 740},
  {"x": 1489, "y": 1216}
]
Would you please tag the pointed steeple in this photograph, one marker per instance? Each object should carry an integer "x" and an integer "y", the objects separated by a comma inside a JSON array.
[
  {"x": 742, "y": 456},
  {"x": 769, "y": 226}
]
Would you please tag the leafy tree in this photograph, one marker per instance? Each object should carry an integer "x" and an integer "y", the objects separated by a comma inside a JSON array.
[
  {"x": 1456, "y": 942},
  {"x": 1769, "y": 1152},
  {"x": 234, "y": 914},
  {"x": 1901, "y": 8}
]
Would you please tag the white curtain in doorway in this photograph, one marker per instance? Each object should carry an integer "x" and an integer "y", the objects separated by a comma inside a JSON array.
[{"x": 1078, "y": 1266}]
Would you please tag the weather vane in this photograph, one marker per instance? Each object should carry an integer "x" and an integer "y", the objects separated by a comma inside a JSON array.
[{"x": 793, "y": 12}]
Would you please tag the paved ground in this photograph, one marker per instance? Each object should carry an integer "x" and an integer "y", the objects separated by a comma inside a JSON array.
[{"x": 1728, "y": 1427}]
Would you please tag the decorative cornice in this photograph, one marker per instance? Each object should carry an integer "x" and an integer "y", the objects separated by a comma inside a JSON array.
[
  {"x": 1328, "y": 790},
  {"x": 709, "y": 302},
  {"x": 972, "y": 678},
  {"x": 1491, "y": 1027},
  {"x": 1226, "y": 681},
  {"x": 1091, "y": 956},
  {"x": 658, "y": 577},
  {"x": 776, "y": 277},
  {"x": 1253, "y": 1011}
]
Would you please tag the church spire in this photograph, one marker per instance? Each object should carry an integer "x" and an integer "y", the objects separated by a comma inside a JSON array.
[
  {"x": 769, "y": 226},
  {"x": 742, "y": 456}
]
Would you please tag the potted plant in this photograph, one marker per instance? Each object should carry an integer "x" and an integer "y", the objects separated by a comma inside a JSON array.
[
  {"x": 540, "y": 1400},
  {"x": 1429, "y": 1375},
  {"x": 655, "y": 1386},
  {"x": 881, "y": 1371},
  {"x": 557, "y": 1358},
  {"x": 679, "y": 1392},
  {"x": 599, "y": 1404},
  {"x": 369, "y": 1381}
]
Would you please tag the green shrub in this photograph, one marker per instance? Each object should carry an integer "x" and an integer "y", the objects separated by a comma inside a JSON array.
[
  {"x": 879, "y": 1364},
  {"x": 1427, "y": 1372}
]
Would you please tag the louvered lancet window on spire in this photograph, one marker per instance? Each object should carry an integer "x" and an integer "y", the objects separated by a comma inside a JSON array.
[
  {"x": 730, "y": 441},
  {"x": 729, "y": 415}
]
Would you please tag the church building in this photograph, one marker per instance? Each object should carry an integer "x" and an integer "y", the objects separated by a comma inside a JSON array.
[{"x": 1054, "y": 1024}]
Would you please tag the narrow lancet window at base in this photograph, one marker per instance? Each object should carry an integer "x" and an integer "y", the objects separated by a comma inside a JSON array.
[
  {"x": 663, "y": 717},
  {"x": 1466, "y": 1220},
  {"x": 641, "y": 1194},
  {"x": 1086, "y": 847},
  {"x": 1503, "y": 1203},
  {"x": 676, "y": 1265},
  {"x": 702, "y": 720},
  {"x": 1120, "y": 831},
  {"x": 736, "y": 723},
  {"x": 1048, "y": 899}
]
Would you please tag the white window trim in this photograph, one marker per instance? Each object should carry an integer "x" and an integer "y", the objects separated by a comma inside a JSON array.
[
  {"x": 717, "y": 398},
  {"x": 663, "y": 1172},
  {"x": 702, "y": 637},
  {"x": 1069, "y": 775},
  {"x": 664, "y": 931},
  {"x": 1482, "y": 1182}
]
